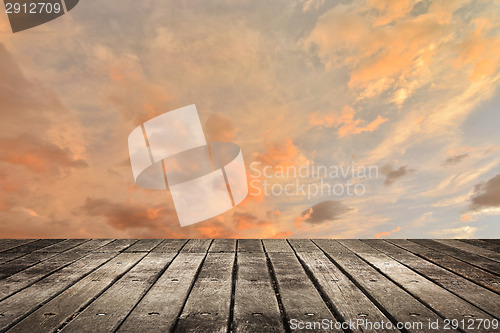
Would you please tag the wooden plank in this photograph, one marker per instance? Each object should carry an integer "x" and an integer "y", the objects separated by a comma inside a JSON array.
[
  {"x": 250, "y": 245},
  {"x": 255, "y": 305},
  {"x": 304, "y": 245},
  {"x": 110, "y": 309},
  {"x": 62, "y": 246},
  {"x": 473, "y": 259},
  {"x": 25, "y": 278},
  {"x": 21, "y": 263},
  {"x": 494, "y": 241},
  {"x": 349, "y": 301},
  {"x": 481, "y": 243},
  {"x": 475, "y": 274},
  {"x": 144, "y": 245},
  {"x": 208, "y": 305},
  {"x": 7, "y": 244},
  {"x": 197, "y": 246},
  {"x": 159, "y": 308},
  {"x": 170, "y": 246},
  {"x": 223, "y": 245},
  {"x": 481, "y": 297},
  {"x": 276, "y": 245},
  {"x": 92, "y": 245},
  {"x": 397, "y": 303},
  {"x": 33, "y": 246},
  {"x": 53, "y": 314},
  {"x": 6, "y": 257},
  {"x": 301, "y": 301},
  {"x": 19, "y": 305},
  {"x": 470, "y": 248},
  {"x": 117, "y": 245},
  {"x": 441, "y": 300}
]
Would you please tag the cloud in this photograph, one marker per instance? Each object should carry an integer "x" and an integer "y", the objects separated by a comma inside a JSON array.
[
  {"x": 219, "y": 128},
  {"x": 386, "y": 233},
  {"x": 329, "y": 210},
  {"x": 391, "y": 174},
  {"x": 461, "y": 232},
  {"x": 453, "y": 160},
  {"x": 284, "y": 153},
  {"x": 487, "y": 194},
  {"x": 346, "y": 123},
  {"x": 38, "y": 155}
]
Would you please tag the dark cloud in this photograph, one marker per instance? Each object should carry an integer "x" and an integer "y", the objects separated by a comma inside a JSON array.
[
  {"x": 487, "y": 194},
  {"x": 391, "y": 174},
  {"x": 455, "y": 159},
  {"x": 329, "y": 210}
]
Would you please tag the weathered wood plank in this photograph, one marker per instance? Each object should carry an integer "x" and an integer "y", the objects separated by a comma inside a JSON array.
[
  {"x": 110, "y": 309},
  {"x": 470, "y": 248},
  {"x": 117, "y": 245},
  {"x": 441, "y": 300},
  {"x": 7, "y": 244},
  {"x": 21, "y": 263},
  {"x": 473, "y": 259},
  {"x": 255, "y": 305},
  {"x": 208, "y": 305},
  {"x": 19, "y": 305},
  {"x": 38, "y": 271},
  {"x": 223, "y": 245},
  {"x": 479, "y": 296},
  {"x": 304, "y": 245},
  {"x": 397, "y": 303},
  {"x": 301, "y": 301},
  {"x": 197, "y": 246},
  {"x": 250, "y": 245},
  {"x": 33, "y": 246},
  {"x": 143, "y": 245},
  {"x": 349, "y": 301},
  {"x": 53, "y": 314},
  {"x": 481, "y": 243},
  {"x": 159, "y": 308},
  {"x": 494, "y": 241},
  {"x": 92, "y": 245},
  {"x": 170, "y": 246},
  {"x": 475, "y": 274},
  {"x": 276, "y": 245},
  {"x": 62, "y": 246}
]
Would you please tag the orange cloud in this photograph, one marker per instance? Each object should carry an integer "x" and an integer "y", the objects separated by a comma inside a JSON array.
[
  {"x": 346, "y": 123},
  {"x": 284, "y": 234},
  {"x": 386, "y": 234}
]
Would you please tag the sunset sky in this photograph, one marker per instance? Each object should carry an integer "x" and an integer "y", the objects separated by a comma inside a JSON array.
[{"x": 410, "y": 87}]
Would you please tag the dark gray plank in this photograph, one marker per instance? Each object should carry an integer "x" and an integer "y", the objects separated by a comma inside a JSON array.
[
  {"x": 304, "y": 245},
  {"x": 90, "y": 246},
  {"x": 159, "y": 308},
  {"x": 27, "y": 300},
  {"x": 208, "y": 305},
  {"x": 348, "y": 300},
  {"x": 255, "y": 305},
  {"x": 470, "y": 248},
  {"x": 62, "y": 246},
  {"x": 396, "y": 302},
  {"x": 276, "y": 245},
  {"x": 197, "y": 246},
  {"x": 301, "y": 301},
  {"x": 473, "y": 259},
  {"x": 53, "y": 314},
  {"x": 144, "y": 245},
  {"x": 483, "y": 244},
  {"x": 170, "y": 246},
  {"x": 7, "y": 244},
  {"x": 477, "y": 275},
  {"x": 479, "y": 296},
  {"x": 33, "y": 246},
  {"x": 441, "y": 300},
  {"x": 110, "y": 309},
  {"x": 21, "y": 263},
  {"x": 36, "y": 272},
  {"x": 223, "y": 245},
  {"x": 6, "y": 257},
  {"x": 117, "y": 245},
  {"x": 250, "y": 245},
  {"x": 494, "y": 241}
]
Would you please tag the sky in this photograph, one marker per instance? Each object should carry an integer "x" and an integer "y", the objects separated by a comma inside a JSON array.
[{"x": 404, "y": 93}]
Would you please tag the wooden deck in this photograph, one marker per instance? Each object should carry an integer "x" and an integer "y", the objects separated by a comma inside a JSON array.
[{"x": 154, "y": 285}]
